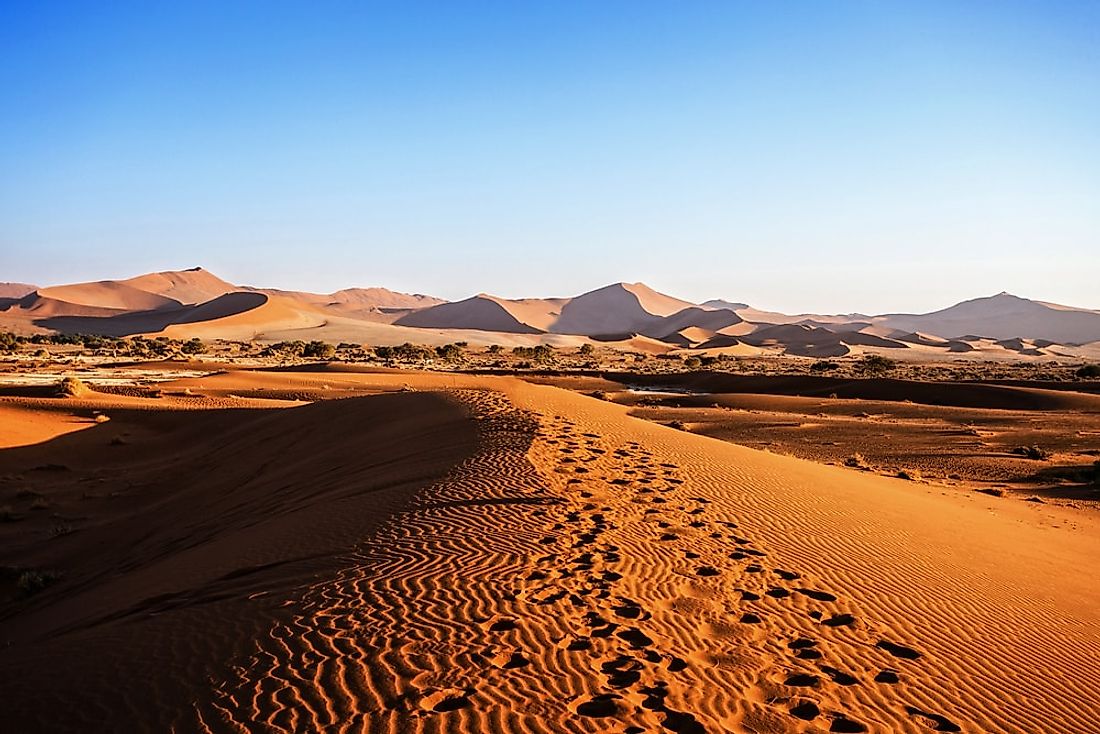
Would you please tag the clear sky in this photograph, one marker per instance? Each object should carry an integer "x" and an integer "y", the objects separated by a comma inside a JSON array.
[{"x": 803, "y": 156}]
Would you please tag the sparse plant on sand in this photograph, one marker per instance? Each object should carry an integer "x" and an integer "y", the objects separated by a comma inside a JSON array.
[
  {"x": 875, "y": 365},
  {"x": 1089, "y": 372},
  {"x": 1031, "y": 452},
  {"x": 318, "y": 350},
  {"x": 31, "y": 581},
  {"x": 693, "y": 363},
  {"x": 71, "y": 387},
  {"x": 193, "y": 346},
  {"x": 856, "y": 461},
  {"x": 824, "y": 365}
]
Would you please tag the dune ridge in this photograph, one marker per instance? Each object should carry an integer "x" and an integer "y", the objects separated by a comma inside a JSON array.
[{"x": 584, "y": 570}]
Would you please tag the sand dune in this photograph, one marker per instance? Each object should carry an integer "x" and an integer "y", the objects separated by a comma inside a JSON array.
[
  {"x": 1001, "y": 328},
  {"x": 702, "y": 321},
  {"x": 512, "y": 557},
  {"x": 488, "y": 313},
  {"x": 616, "y": 309},
  {"x": 1004, "y": 316},
  {"x": 186, "y": 286},
  {"x": 107, "y": 294},
  {"x": 16, "y": 290}
]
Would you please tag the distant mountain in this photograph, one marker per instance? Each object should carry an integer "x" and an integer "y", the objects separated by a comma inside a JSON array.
[{"x": 1003, "y": 316}]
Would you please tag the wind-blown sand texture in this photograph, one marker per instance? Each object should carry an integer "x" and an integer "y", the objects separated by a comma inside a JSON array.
[{"x": 491, "y": 555}]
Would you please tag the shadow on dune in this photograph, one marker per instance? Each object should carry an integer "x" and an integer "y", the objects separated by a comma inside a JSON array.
[
  {"x": 145, "y": 322},
  {"x": 188, "y": 537}
]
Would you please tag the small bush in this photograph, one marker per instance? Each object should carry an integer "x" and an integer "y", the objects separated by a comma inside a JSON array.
[
  {"x": 875, "y": 365},
  {"x": 32, "y": 582},
  {"x": 192, "y": 346},
  {"x": 586, "y": 350},
  {"x": 318, "y": 350},
  {"x": 1031, "y": 452},
  {"x": 71, "y": 387},
  {"x": 824, "y": 366},
  {"x": 911, "y": 475},
  {"x": 856, "y": 461},
  {"x": 693, "y": 363},
  {"x": 1089, "y": 372}
]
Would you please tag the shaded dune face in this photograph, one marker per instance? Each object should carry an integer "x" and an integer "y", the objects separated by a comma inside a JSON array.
[
  {"x": 479, "y": 312},
  {"x": 144, "y": 322},
  {"x": 192, "y": 537},
  {"x": 616, "y": 309}
]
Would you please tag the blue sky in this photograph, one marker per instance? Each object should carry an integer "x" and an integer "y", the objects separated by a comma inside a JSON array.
[{"x": 872, "y": 156}]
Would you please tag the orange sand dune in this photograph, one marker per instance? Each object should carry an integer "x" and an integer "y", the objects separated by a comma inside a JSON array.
[
  {"x": 107, "y": 294},
  {"x": 186, "y": 286},
  {"x": 490, "y": 556}
]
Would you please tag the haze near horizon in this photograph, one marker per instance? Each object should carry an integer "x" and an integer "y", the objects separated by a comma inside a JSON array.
[{"x": 833, "y": 158}]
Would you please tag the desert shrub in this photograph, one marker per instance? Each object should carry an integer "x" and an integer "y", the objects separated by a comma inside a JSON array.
[
  {"x": 875, "y": 365},
  {"x": 599, "y": 394},
  {"x": 192, "y": 346},
  {"x": 912, "y": 475},
  {"x": 289, "y": 348},
  {"x": 449, "y": 352},
  {"x": 1088, "y": 372},
  {"x": 693, "y": 363},
  {"x": 412, "y": 352},
  {"x": 32, "y": 582},
  {"x": 586, "y": 350},
  {"x": 8, "y": 342},
  {"x": 495, "y": 349},
  {"x": 318, "y": 350},
  {"x": 1031, "y": 452},
  {"x": 678, "y": 425},
  {"x": 824, "y": 365},
  {"x": 856, "y": 461},
  {"x": 71, "y": 387}
]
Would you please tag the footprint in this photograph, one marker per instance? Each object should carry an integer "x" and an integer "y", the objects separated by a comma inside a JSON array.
[
  {"x": 802, "y": 680},
  {"x": 935, "y": 722},
  {"x": 599, "y": 706},
  {"x": 898, "y": 651},
  {"x": 887, "y": 676},
  {"x": 635, "y": 638},
  {"x": 839, "y": 677},
  {"x": 623, "y": 671},
  {"x": 839, "y": 620},
  {"x": 446, "y": 699},
  {"x": 816, "y": 595},
  {"x": 805, "y": 710},
  {"x": 844, "y": 725}
]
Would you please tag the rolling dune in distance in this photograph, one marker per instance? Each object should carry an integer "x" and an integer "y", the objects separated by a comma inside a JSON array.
[{"x": 455, "y": 553}]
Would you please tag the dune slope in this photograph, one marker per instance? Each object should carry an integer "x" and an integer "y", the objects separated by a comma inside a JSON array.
[
  {"x": 188, "y": 540},
  {"x": 566, "y": 567}
]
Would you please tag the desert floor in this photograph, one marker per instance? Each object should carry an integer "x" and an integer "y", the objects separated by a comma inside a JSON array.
[{"x": 374, "y": 550}]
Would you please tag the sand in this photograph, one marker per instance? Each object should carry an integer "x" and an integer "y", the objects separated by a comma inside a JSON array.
[{"x": 478, "y": 554}]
